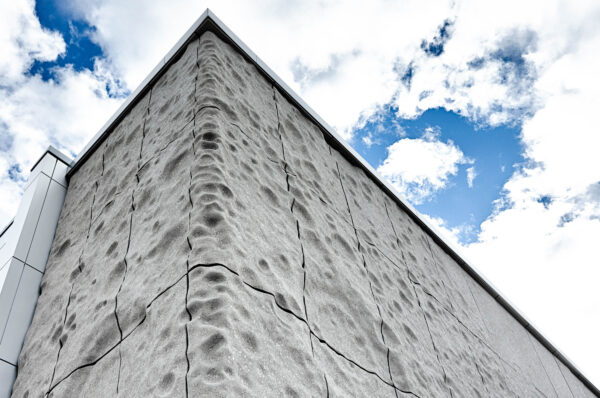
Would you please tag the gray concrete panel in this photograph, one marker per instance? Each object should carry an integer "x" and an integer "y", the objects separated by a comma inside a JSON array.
[
  {"x": 308, "y": 157},
  {"x": 339, "y": 303},
  {"x": 575, "y": 386},
  {"x": 458, "y": 298},
  {"x": 511, "y": 341},
  {"x": 368, "y": 209},
  {"x": 98, "y": 381},
  {"x": 158, "y": 248},
  {"x": 241, "y": 343},
  {"x": 413, "y": 362},
  {"x": 226, "y": 81},
  {"x": 91, "y": 326},
  {"x": 552, "y": 370},
  {"x": 415, "y": 250},
  {"x": 456, "y": 348},
  {"x": 241, "y": 212},
  {"x": 153, "y": 354},
  {"x": 121, "y": 157},
  {"x": 172, "y": 102},
  {"x": 343, "y": 378}
]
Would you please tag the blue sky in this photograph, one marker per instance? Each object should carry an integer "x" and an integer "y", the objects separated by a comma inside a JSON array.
[
  {"x": 81, "y": 50},
  {"x": 495, "y": 152},
  {"x": 482, "y": 114}
]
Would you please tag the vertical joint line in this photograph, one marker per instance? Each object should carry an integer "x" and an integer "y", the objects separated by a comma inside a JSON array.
[
  {"x": 367, "y": 272},
  {"x": 437, "y": 354}
]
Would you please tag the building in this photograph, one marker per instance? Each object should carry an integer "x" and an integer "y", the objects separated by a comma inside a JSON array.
[{"x": 218, "y": 239}]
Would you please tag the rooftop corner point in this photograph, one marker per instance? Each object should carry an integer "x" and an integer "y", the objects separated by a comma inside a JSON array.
[{"x": 209, "y": 22}]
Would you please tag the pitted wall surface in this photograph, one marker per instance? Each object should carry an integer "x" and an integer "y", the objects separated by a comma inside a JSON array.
[{"x": 216, "y": 245}]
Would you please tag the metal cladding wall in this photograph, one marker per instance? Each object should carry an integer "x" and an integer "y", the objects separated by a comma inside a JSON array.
[{"x": 215, "y": 244}]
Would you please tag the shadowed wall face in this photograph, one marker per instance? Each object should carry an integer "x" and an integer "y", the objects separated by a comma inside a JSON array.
[{"x": 216, "y": 245}]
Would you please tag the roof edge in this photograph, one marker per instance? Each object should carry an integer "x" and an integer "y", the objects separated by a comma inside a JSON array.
[
  {"x": 209, "y": 21},
  {"x": 56, "y": 153}
]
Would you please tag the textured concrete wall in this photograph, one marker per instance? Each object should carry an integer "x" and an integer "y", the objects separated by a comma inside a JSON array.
[{"x": 216, "y": 245}]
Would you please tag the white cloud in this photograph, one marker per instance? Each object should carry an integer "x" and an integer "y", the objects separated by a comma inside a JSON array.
[
  {"x": 471, "y": 174},
  {"x": 545, "y": 256},
  {"x": 65, "y": 111},
  {"x": 23, "y": 40},
  {"x": 419, "y": 167},
  {"x": 346, "y": 77}
]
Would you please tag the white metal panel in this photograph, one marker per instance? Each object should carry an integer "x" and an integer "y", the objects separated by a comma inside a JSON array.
[
  {"x": 20, "y": 315},
  {"x": 29, "y": 214},
  {"x": 46, "y": 226},
  {"x": 8, "y": 373},
  {"x": 12, "y": 274}
]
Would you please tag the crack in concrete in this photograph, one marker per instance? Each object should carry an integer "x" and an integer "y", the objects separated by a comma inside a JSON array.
[
  {"x": 80, "y": 270},
  {"x": 60, "y": 343},
  {"x": 482, "y": 379},
  {"x": 288, "y": 187},
  {"x": 230, "y": 270},
  {"x": 187, "y": 276},
  {"x": 388, "y": 364},
  {"x": 129, "y": 237},
  {"x": 368, "y": 279},
  {"x": 563, "y": 376},
  {"x": 437, "y": 353},
  {"x": 537, "y": 354},
  {"x": 189, "y": 228},
  {"x": 391, "y": 223},
  {"x": 364, "y": 369},
  {"x": 148, "y": 306},
  {"x": 444, "y": 307},
  {"x": 437, "y": 266}
]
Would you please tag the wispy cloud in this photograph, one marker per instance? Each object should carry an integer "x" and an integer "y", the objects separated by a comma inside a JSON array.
[{"x": 471, "y": 174}]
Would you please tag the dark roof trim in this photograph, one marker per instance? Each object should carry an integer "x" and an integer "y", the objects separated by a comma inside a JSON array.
[
  {"x": 10, "y": 223},
  {"x": 209, "y": 22}
]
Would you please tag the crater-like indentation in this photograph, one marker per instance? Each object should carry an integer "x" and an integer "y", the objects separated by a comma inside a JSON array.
[
  {"x": 270, "y": 195},
  {"x": 63, "y": 247},
  {"x": 213, "y": 343},
  {"x": 166, "y": 382}
]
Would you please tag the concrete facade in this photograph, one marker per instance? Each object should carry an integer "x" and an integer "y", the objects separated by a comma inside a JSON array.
[{"x": 216, "y": 243}]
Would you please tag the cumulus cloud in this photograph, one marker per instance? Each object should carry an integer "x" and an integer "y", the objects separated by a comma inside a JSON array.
[{"x": 419, "y": 167}]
